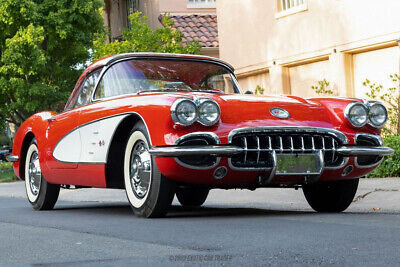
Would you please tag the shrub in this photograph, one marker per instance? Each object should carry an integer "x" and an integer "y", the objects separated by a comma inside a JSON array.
[{"x": 390, "y": 166}]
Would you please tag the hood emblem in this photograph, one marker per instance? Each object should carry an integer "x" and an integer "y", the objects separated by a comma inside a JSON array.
[{"x": 280, "y": 113}]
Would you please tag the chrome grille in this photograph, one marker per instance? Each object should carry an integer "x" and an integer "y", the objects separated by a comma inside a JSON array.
[{"x": 259, "y": 147}]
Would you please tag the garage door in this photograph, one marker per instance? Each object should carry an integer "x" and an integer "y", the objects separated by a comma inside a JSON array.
[
  {"x": 250, "y": 83},
  {"x": 375, "y": 66},
  {"x": 302, "y": 77}
]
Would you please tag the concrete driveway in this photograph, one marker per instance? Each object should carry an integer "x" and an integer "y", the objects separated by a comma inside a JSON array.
[{"x": 263, "y": 227}]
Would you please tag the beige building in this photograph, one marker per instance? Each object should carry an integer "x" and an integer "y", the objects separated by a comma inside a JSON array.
[
  {"x": 286, "y": 46},
  {"x": 195, "y": 19}
]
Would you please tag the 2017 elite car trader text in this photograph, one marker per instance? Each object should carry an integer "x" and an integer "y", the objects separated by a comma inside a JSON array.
[{"x": 158, "y": 125}]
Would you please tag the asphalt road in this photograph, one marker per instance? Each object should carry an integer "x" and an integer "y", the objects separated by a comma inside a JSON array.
[{"x": 265, "y": 227}]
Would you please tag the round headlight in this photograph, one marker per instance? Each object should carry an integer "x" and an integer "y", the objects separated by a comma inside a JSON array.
[
  {"x": 184, "y": 112},
  {"x": 377, "y": 114},
  {"x": 209, "y": 112},
  {"x": 357, "y": 114}
]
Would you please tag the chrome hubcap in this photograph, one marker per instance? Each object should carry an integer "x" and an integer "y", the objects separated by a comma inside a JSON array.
[
  {"x": 35, "y": 174},
  {"x": 140, "y": 169}
]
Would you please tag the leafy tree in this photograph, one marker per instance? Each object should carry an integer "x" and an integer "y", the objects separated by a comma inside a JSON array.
[
  {"x": 391, "y": 98},
  {"x": 139, "y": 37},
  {"x": 42, "y": 45}
]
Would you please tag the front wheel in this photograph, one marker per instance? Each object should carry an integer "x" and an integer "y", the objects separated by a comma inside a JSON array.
[
  {"x": 149, "y": 192},
  {"x": 331, "y": 196},
  {"x": 41, "y": 194}
]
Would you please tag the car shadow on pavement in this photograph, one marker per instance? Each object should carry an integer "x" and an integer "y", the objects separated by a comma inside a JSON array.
[{"x": 177, "y": 211}]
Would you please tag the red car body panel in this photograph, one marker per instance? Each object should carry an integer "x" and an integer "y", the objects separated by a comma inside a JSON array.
[{"x": 237, "y": 111}]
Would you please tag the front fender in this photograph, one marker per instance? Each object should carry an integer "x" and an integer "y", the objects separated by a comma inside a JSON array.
[{"x": 35, "y": 126}]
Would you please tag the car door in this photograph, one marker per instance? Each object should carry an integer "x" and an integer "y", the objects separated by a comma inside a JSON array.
[{"x": 63, "y": 133}]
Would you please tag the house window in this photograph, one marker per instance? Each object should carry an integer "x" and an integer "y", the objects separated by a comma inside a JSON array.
[
  {"x": 131, "y": 7},
  {"x": 288, "y": 7},
  {"x": 201, "y": 4}
]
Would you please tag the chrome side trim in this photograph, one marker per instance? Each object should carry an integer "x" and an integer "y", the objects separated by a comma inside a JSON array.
[
  {"x": 298, "y": 129},
  {"x": 211, "y": 135},
  {"x": 12, "y": 158},
  {"x": 364, "y": 151}
]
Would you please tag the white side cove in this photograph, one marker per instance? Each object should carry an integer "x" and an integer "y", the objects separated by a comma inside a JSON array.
[{"x": 89, "y": 143}]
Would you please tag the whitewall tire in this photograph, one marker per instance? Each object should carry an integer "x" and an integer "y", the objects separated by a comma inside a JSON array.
[
  {"x": 148, "y": 191},
  {"x": 41, "y": 195}
]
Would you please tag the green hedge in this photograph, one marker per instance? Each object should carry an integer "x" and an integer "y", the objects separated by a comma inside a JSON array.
[
  {"x": 7, "y": 173},
  {"x": 390, "y": 166}
]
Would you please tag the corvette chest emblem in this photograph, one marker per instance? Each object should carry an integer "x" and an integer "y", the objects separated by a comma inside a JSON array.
[{"x": 280, "y": 113}]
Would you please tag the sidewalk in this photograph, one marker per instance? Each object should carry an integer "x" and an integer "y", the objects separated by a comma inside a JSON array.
[{"x": 373, "y": 195}]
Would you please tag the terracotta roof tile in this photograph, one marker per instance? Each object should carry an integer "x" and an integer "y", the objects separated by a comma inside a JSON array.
[{"x": 203, "y": 28}]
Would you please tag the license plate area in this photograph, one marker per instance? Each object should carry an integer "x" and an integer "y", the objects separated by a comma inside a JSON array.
[{"x": 299, "y": 164}]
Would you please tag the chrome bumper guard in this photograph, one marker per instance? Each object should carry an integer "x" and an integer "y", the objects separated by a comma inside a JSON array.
[
  {"x": 12, "y": 158},
  {"x": 229, "y": 150}
]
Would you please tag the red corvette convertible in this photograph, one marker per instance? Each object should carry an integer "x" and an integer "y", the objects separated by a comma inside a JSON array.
[{"x": 158, "y": 125}]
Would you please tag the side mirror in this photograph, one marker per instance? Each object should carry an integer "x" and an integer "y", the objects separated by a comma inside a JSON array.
[{"x": 248, "y": 93}]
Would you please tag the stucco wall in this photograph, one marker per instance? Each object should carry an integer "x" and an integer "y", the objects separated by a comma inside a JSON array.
[{"x": 251, "y": 38}]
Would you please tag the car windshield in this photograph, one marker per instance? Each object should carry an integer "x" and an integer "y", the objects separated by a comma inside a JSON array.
[{"x": 144, "y": 75}]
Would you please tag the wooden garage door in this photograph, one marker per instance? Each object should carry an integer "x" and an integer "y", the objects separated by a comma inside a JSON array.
[
  {"x": 302, "y": 77},
  {"x": 375, "y": 66}
]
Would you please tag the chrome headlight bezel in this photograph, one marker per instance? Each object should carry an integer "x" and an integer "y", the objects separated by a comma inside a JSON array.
[
  {"x": 203, "y": 102},
  {"x": 350, "y": 107},
  {"x": 370, "y": 120},
  {"x": 197, "y": 103},
  {"x": 174, "y": 109}
]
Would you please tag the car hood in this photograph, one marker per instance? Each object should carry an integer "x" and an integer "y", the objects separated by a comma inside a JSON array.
[{"x": 251, "y": 110}]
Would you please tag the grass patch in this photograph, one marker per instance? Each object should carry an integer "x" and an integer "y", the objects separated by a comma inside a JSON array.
[{"x": 7, "y": 173}]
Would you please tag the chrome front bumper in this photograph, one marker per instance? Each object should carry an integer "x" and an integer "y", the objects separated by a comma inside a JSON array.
[
  {"x": 229, "y": 150},
  {"x": 12, "y": 158}
]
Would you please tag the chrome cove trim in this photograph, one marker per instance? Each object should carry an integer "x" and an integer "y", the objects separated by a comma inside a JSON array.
[
  {"x": 210, "y": 135},
  {"x": 12, "y": 158},
  {"x": 297, "y": 129}
]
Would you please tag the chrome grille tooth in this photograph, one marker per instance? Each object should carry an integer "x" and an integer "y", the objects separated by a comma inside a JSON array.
[
  {"x": 291, "y": 143},
  {"x": 258, "y": 148},
  {"x": 244, "y": 139},
  {"x": 280, "y": 144},
  {"x": 312, "y": 143},
  {"x": 270, "y": 142},
  {"x": 302, "y": 143},
  {"x": 333, "y": 149}
]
